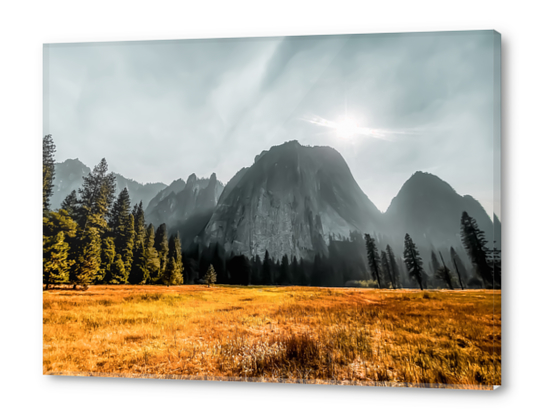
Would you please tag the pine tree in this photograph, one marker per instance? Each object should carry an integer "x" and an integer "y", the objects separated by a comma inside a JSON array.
[
  {"x": 267, "y": 278},
  {"x": 294, "y": 268},
  {"x": 139, "y": 272},
  {"x": 96, "y": 197},
  {"x": 413, "y": 261},
  {"x": 59, "y": 230},
  {"x": 284, "y": 271},
  {"x": 210, "y": 276},
  {"x": 386, "y": 269},
  {"x": 173, "y": 272},
  {"x": 118, "y": 272},
  {"x": 257, "y": 271},
  {"x": 394, "y": 269},
  {"x": 121, "y": 223},
  {"x": 153, "y": 259},
  {"x": 239, "y": 270},
  {"x": 303, "y": 278},
  {"x": 139, "y": 222},
  {"x": 475, "y": 243},
  {"x": 70, "y": 203},
  {"x": 161, "y": 245},
  {"x": 176, "y": 253},
  {"x": 107, "y": 258},
  {"x": 373, "y": 258},
  {"x": 317, "y": 278},
  {"x": 87, "y": 256},
  {"x": 49, "y": 149},
  {"x": 172, "y": 275},
  {"x": 56, "y": 264}
]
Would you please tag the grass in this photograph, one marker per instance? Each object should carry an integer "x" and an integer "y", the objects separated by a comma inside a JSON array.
[{"x": 282, "y": 334}]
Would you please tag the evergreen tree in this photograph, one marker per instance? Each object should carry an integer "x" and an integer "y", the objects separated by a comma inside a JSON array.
[
  {"x": 257, "y": 271},
  {"x": 386, "y": 269},
  {"x": 172, "y": 274},
  {"x": 57, "y": 252},
  {"x": 317, "y": 277},
  {"x": 153, "y": 259},
  {"x": 87, "y": 256},
  {"x": 494, "y": 259},
  {"x": 210, "y": 276},
  {"x": 303, "y": 278},
  {"x": 459, "y": 267},
  {"x": 176, "y": 253},
  {"x": 240, "y": 270},
  {"x": 107, "y": 258},
  {"x": 394, "y": 269},
  {"x": 118, "y": 272},
  {"x": 121, "y": 223},
  {"x": 70, "y": 203},
  {"x": 294, "y": 269},
  {"x": 139, "y": 272},
  {"x": 49, "y": 149},
  {"x": 161, "y": 245},
  {"x": 475, "y": 243},
  {"x": 56, "y": 264},
  {"x": 284, "y": 276},
  {"x": 373, "y": 258},
  {"x": 267, "y": 277},
  {"x": 413, "y": 261},
  {"x": 96, "y": 197}
]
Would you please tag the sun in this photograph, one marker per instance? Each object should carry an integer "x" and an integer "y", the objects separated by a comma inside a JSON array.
[{"x": 346, "y": 128}]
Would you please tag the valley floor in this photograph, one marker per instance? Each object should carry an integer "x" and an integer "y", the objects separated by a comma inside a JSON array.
[{"x": 276, "y": 334}]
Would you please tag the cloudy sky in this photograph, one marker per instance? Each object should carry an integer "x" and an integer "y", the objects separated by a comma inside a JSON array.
[{"x": 390, "y": 104}]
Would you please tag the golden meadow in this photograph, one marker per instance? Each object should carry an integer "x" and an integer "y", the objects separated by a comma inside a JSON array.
[{"x": 276, "y": 334}]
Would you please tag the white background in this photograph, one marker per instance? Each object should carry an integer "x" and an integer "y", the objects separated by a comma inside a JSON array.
[{"x": 25, "y": 26}]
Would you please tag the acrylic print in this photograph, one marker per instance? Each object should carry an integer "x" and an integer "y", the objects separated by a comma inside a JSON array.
[{"x": 315, "y": 210}]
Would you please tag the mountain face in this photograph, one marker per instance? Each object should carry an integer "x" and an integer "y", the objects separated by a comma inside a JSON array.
[
  {"x": 69, "y": 177},
  {"x": 290, "y": 201},
  {"x": 430, "y": 210},
  {"x": 197, "y": 196}
]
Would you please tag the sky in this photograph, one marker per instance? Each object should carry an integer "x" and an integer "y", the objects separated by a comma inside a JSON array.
[{"x": 391, "y": 104}]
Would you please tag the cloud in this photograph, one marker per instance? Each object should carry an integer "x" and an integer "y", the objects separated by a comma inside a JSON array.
[{"x": 162, "y": 110}]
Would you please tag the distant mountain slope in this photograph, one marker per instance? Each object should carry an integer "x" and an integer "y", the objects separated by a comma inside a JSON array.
[
  {"x": 199, "y": 195},
  {"x": 429, "y": 209},
  {"x": 175, "y": 187},
  {"x": 289, "y": 202},
  {"x": 69, "y": 176}
]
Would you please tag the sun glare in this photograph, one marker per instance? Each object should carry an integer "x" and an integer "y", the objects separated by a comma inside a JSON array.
[{"x": 346, "y": 128}]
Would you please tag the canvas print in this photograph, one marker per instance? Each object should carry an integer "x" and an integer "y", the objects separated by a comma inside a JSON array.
[{"x": 308, "y": 209}]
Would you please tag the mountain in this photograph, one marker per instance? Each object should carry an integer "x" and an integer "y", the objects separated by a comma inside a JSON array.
[
  {"x": 197, "y": 196},
  {"x": 290, "y": 201},
  {"x": 69, "y": 176},
  {"x": 429, "y": 209},
  {"x": 175, "y": 187}
]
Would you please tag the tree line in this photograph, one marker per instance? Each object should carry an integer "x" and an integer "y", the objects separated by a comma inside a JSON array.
[{"x": 97, "y": 237}]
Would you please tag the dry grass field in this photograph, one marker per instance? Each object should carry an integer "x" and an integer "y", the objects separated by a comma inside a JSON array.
[{"x": 276, "y": 334}]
